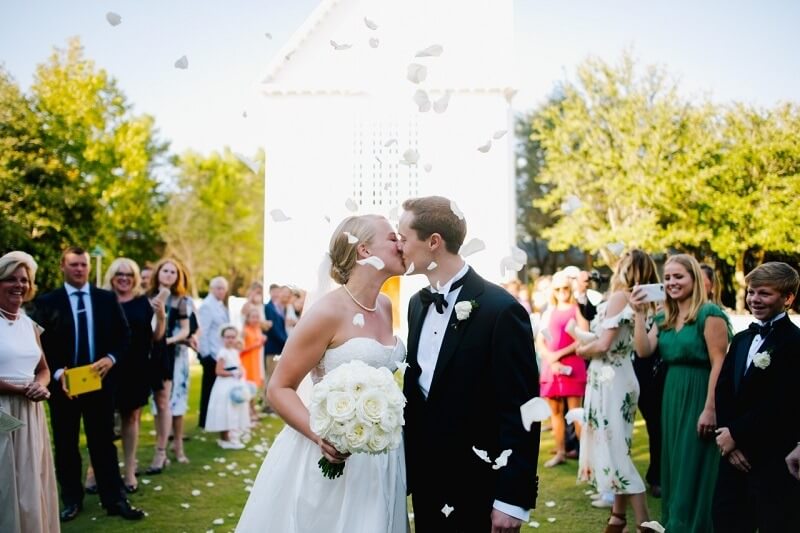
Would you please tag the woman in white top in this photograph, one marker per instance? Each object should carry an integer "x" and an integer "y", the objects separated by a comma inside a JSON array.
[{"x": 28, "y": 494}]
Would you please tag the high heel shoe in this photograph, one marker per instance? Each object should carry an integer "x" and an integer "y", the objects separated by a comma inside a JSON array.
[
  {"x": 155, "y": 468},
  {"x": 616, "y": 528}
]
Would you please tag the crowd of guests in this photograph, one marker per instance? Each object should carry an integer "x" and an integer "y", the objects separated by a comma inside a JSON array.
[
  {"x": 720, "y": 434},
  {"x": 134, "y": 337}
]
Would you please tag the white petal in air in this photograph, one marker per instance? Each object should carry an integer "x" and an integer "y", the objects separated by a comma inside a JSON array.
[
  {"x": 278, "y": 216},
  {"x": 113, "y": 18},
  {"x": 434, "y": 50},
  {"x": 508, "y": 263},
  {"x": 394, "y": 213},
  {"x": 337, "y": 46},
  {"x": 616, "y": 248},
  {"x": 519, "y": 255},
  {"x": 410, "y": 269},
  {"x": 358, "y": 320},
  {"x": 422, "y": 101},
  {"x": 390, "y": 142},
  {"x": 416, "y": 73},
  {"x": 370, "y": 24},
  {"x": 244, "y": 114},
  {"x": 432, "y": 265},
  {"x": 570, "y": 204},
  {"x": 182, "y": 63},
  {"x": 534, "y": 410},
  {"x": 268, "y": 36},
  {"x": 351, "y": 239},
  {"x": 372, "y": 261},
  {"x": 446, "y": 510},
  {"x": 402, "y": 366},
  {"x": 410, "y": 157},
  {"x": 428, "y": 167},
  {"x": 482, "y": 454},
  {"x": 485, "y": 147},
  {"x": 574, "y": 415},
  {"x": 249, "y": 163},
  {"x": 499, "y": 134},
  {"x": 456, "y": 211},
  {"x": 374, "y": 42},
  {"x": 655, "y": 526},
  {"x": 351, "y": 205},
  {"x": 509, "y": 93},
  {"x": 440, "y": 105},
  {"x": 502, "y": 460},
  {"x": 471, "y": 247}
]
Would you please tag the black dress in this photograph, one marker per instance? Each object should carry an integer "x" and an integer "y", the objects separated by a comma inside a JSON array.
[
  {"x": 163, "y": 356},
  {"x": 133, "y": 374}
]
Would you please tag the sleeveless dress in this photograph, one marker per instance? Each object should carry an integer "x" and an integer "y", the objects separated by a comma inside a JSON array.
[
  {"x": 223, "y": 413},
  {"x": 612, "y": 394},
  {"x": 552, "y": 385},
  {"x": 291, "y": 495}
]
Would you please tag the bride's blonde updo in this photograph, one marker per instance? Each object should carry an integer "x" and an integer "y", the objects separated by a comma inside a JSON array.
[{"x": 343, "y": 253}]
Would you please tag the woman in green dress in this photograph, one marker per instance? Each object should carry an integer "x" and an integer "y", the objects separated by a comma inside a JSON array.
[{"x": 692, "y": 336}]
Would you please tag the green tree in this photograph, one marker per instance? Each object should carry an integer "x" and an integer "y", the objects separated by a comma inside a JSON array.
[{"x": 215, "y": 220}]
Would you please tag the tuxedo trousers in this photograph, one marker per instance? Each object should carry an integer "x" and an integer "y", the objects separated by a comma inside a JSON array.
[{"x": 97, "y": 411}]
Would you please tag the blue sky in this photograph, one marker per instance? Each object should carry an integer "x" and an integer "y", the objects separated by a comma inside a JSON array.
[{"x": 733, "y": 50}]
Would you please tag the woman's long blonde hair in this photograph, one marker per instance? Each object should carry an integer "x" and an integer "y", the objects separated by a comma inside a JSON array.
[{"x": 697, "y": 298}]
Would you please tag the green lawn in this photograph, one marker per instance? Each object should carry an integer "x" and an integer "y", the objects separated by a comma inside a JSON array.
[{"x": 162, "y": 496}]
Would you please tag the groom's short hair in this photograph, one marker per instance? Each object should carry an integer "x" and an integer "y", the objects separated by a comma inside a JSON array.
[{"x": 434, "y": 214}]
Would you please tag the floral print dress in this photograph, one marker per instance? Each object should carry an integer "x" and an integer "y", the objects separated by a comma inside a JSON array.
[{"x": 612, "y": 394}]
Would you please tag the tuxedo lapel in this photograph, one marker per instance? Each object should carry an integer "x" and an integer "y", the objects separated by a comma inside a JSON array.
[
  {"x": 417, "y": 317},
  {"x": 742, "y": 348},
  {"x": 769, "y": 344},
  {"x": 471, "y": 290}
]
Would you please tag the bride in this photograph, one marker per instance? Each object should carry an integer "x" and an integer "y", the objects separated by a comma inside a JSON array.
[{"x": 290, "y": 493}]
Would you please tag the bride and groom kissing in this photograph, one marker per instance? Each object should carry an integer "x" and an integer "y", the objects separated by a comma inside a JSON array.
[{"x": 471, "y": 365}]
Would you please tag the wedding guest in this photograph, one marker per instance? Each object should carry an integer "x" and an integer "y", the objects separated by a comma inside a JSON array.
[
  {"x": 611, "y": 395},
  {"x": 757, "y": 425},
  {"x": 179, "y": 397},
  {"x": 563, "y": 372},
  {"x": 28, "y": 493},
  {"x": 168, "y": 275},
  {"x": 294, "y": 309},
  {"x": 711, "y": 284},
  {"x": 213, "y": 314},
  {"x": 252, "y": 353},
  {"x": 227, "y": 413},
  {"x": 255, "y": 298},
  {"x": 145, "y": 274},
  {"x": 84, "y": 325},
  {"x": 692, "y": 335},
  {"x": 275, "y": 312}
]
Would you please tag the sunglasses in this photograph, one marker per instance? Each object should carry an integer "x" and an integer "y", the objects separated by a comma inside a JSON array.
[{"x": 123, "y": 275}]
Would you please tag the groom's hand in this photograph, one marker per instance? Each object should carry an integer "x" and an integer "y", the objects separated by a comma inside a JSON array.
[{"x": 503, "y": 523}]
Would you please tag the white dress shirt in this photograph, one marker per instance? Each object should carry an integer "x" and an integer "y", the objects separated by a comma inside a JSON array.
[
  {"x": 758, "y": 340},
  {"x": 72, "y": 294}
]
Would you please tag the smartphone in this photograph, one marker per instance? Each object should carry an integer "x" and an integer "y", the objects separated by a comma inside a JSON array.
[
  {"x": 653, "y": 292},
  {"x": 163, "y": 294}
]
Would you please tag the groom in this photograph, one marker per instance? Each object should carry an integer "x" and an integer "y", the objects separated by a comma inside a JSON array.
[{"x": 471, "y": 366}]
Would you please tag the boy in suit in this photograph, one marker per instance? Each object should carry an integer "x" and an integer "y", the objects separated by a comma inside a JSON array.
[{"x": 756, "y": 420}]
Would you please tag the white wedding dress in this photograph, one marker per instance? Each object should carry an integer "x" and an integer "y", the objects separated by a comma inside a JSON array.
[{"x": 291, "y": 495}]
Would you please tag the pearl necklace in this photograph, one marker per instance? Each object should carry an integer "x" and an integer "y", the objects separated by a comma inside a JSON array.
[
  {"x": 362, "y": 306},
  {"x": 8, "y": 316}
]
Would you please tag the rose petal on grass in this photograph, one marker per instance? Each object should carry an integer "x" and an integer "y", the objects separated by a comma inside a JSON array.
[
  {"x": 218, "y": 521},
  {"x": 185, "y": 505},
  {"x": 157, "y": 488},
  {"x": 551, "y": 519},
  {"x": 196, "y": 492},
  {"x": 550, "y": 503},
  {"x": 654, "y": 525}
]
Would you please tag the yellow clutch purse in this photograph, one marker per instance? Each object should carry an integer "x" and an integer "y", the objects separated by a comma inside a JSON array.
[{"x": 82, "y": 379}]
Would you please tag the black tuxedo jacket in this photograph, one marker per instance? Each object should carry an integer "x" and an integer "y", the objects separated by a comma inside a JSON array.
[
  {"x": 111, "y": 333},
  {"x": 759, "y": 406},
  {"x": 485, "y": 371}
]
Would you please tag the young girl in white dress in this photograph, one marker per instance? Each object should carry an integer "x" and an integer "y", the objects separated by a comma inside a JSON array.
[{"x": 228, "y": 410}]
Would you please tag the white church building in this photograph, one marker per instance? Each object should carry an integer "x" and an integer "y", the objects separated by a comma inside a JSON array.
[{"x": 374, "y": 101}]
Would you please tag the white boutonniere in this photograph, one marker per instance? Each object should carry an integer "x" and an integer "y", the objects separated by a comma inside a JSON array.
[
  {"x": 762, "y": 360},
  {"x": 463, "y": 310}
]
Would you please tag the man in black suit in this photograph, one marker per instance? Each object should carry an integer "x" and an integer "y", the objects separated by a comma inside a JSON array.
[
  {"x": 471, "y": 366},
  {"x": 756, "y": 413},
  {"x": 275, "y": 313},
  {"x": 84, "y": 325}
]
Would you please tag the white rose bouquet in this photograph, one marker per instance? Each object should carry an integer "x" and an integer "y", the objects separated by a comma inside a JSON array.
[{"x": 358, "y": 409}]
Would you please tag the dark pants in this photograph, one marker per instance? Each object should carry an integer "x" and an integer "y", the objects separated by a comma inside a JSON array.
[
  {"x": 650, "y": 372},
  {"x": 209, "y": 376},
  {"x": 97, "y": 411}
]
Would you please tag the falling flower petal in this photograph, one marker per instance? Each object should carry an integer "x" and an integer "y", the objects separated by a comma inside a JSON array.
[
  {"x": 498, "y": 134},
  {"x": 370, "y": 24},
  {"x": 374, "y": 42},
  {"x": 196, "y": 492},
  {"x": 244, "y": 114},
  {"x": 410, "y": 269},
  {"x": 351, "y": 239},
  {"x": 434, "y": 50},
  {"x": 402, "y": 366},
  {"x": 422, "y": 101},
  {"x": 372, "y": 261},
  {"x": 550, "y": 503},
  {"x": 456, "y": 211},
  {"x": 428, "y": 167},
  {"x": 446, "y": 510},
  {"x": 410, "y": 156},
  {"x": 485, "y": 147},
  {"x": 440, "y": 105},
  {"x": 508, "y": 263},
  {"x": 182, "y": 63},
  {"x": 502, "y": 460},
  {"x": 268, "y": 36},
  {"x": 574, "y": 415},
  {"x": 471, "y": 247},
  {"x": 616, "y": 248},
  {"x": 519, "y": 255},
  {"x": 358, "y": 320},
  {"x": 351, "y": 205},
  {"x": 432, "y": 265},
  {"x": 337, "y": 46},
  {"x": 390, "y": 142},
  {"x": 113, "y": 18},
  {"x": 416, "y": 73},
  {"x": 482, "y": 454},
  {"x": 655, "y": 526},
  {"x": 249, "y": 163},
  {"x": 394, "y": 213},
  {"x": 509, "y": 93},
  {"x": 278, "y": 216},
  {"x": 534, "y": 410}
]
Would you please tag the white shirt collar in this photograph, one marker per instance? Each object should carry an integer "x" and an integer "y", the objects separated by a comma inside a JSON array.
[
  {"x": 445, "y": 289},
  {"x": 772, "y": 320},
  {"x": 71, "y": 289}
]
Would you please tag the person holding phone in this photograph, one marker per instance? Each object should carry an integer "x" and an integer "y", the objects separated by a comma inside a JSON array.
[{"x": 692, "y": 336}]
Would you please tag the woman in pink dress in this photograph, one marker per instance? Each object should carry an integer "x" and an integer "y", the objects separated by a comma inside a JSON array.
[{"x": 562, "y": 375}]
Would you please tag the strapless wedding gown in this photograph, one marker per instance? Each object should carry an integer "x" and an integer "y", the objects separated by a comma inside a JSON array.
[{"x": 291, "y": 495}]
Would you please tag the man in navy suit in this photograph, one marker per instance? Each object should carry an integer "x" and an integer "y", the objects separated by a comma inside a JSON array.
[
  {"x": 757, "y": 414},
  {"x": 275, "y": 312},
  {"x": 84, "y": 325},
  {"x": 471, "y": 366}
]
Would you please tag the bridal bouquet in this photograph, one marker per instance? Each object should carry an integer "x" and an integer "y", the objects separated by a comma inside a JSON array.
[{"x": 358, "y": 409}]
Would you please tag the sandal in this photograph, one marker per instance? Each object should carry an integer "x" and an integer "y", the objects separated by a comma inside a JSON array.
[
  {"x": 616, "y": 528},
  {"x": 153, "y": 468},
  {"x": 558, "y": 459}
]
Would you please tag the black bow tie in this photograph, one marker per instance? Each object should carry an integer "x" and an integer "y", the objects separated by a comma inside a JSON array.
[
  {"x": 764, "y": 330},
  {"x": 429, "y": 297}
]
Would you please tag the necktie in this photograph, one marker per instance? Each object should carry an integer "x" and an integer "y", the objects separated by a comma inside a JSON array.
[
  {"x": 82, "y": 355},
  {"x": 757, "y": 328},
  {"x": 429, "y": 297}
]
